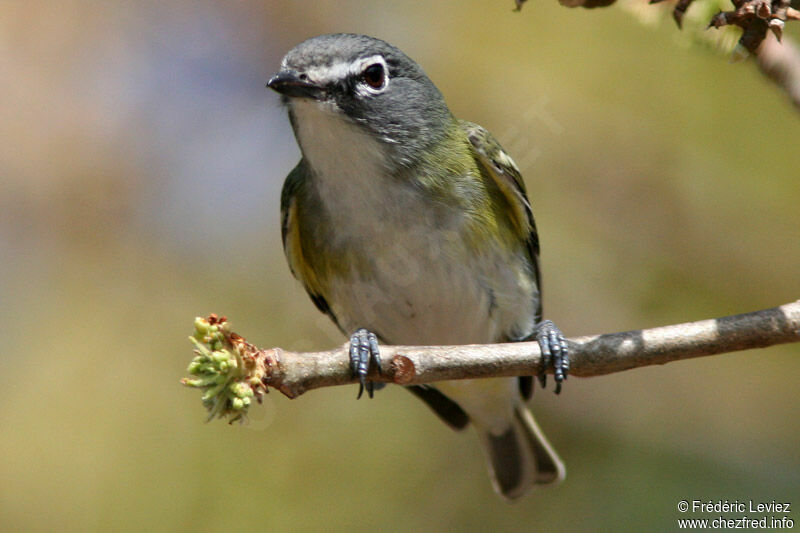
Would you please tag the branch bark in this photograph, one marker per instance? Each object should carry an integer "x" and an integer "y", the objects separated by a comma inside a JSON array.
[
  {"x": 247, "y": 371},
  {"x": 780, "y": 62}
]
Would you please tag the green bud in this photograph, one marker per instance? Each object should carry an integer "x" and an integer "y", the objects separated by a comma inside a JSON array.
[
  {"x": 218, "y": 368},
  {"x": 221, "y": 357},
  {"x": 201, "y": 325},
  {"x": 199, "y": 347},
  {"x": 242, "y": 390}
]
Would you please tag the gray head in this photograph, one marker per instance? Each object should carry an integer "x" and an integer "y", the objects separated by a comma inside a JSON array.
[{"x": 370, "y": 83}]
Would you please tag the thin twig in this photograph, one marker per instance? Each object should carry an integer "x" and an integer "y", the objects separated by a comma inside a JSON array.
[
  {"x": 294, "y": 373},
  {"x": 780, "y": 61}
]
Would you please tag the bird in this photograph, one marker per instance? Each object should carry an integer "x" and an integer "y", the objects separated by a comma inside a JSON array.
[{"x": 407, "y": 225}]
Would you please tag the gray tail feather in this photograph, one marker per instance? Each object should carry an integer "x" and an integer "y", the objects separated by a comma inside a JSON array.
[{"x": 521, "y": 457}]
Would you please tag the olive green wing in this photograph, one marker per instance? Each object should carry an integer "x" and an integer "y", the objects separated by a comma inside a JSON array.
[
  {"x": 292, "y": 243},
  {"x": 505, "y": 173},
  {"x": 499, "y": 165}
]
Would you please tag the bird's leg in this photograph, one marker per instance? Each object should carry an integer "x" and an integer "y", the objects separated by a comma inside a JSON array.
[
  {"x": 363, "y": 352},
  {"x": 554, "y": 353}
]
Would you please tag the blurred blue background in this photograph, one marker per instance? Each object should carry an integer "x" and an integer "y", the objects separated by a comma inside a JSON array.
[{"x": 141, "y": 163}]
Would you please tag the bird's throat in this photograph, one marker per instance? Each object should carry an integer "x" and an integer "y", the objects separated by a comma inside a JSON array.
[{"x": 349, "y": 166}]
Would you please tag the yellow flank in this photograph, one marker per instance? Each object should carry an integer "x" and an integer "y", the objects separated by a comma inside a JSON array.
[{"x": 294, "y": 253}]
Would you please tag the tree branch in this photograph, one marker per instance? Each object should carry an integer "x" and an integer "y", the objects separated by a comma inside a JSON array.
[
  {"x": 780, "y": 62},
  {"x": 233, "y": 372}
]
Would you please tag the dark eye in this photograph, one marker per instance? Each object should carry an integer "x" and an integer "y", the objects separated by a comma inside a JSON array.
[{"x": 374, "y": 75}]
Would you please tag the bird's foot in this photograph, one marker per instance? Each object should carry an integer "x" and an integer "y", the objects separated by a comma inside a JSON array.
[
  {"x": 363, "y": 352},
  {"x": 554, "y": 353}
]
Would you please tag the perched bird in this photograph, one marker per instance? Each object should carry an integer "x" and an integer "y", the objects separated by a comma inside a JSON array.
[{"x": 409, "y": 226}]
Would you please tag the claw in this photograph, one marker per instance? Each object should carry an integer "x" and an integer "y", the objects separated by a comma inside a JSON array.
[
  {"x": 554, "y": 352},
  {"x": 363, "y": 352},
  {"x": 544, "y": 345}
]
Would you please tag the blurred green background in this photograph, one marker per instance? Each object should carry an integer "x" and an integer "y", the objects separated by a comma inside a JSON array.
[{"x": 141, "y": 163}]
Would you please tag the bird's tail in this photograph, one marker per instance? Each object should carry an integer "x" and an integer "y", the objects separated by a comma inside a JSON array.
[{"x": 520, "y": 457}]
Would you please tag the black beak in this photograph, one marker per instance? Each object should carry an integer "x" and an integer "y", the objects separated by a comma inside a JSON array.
[{"x": 293, "y": 84}]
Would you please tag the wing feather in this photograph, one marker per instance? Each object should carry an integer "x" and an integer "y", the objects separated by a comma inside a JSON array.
[
  {"x": 505, "y": 173},
  {"x": 292, "y": 242}
]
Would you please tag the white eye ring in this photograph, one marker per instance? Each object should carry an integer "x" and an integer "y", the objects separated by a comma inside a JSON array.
[{"x": 373, "y": 75}]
